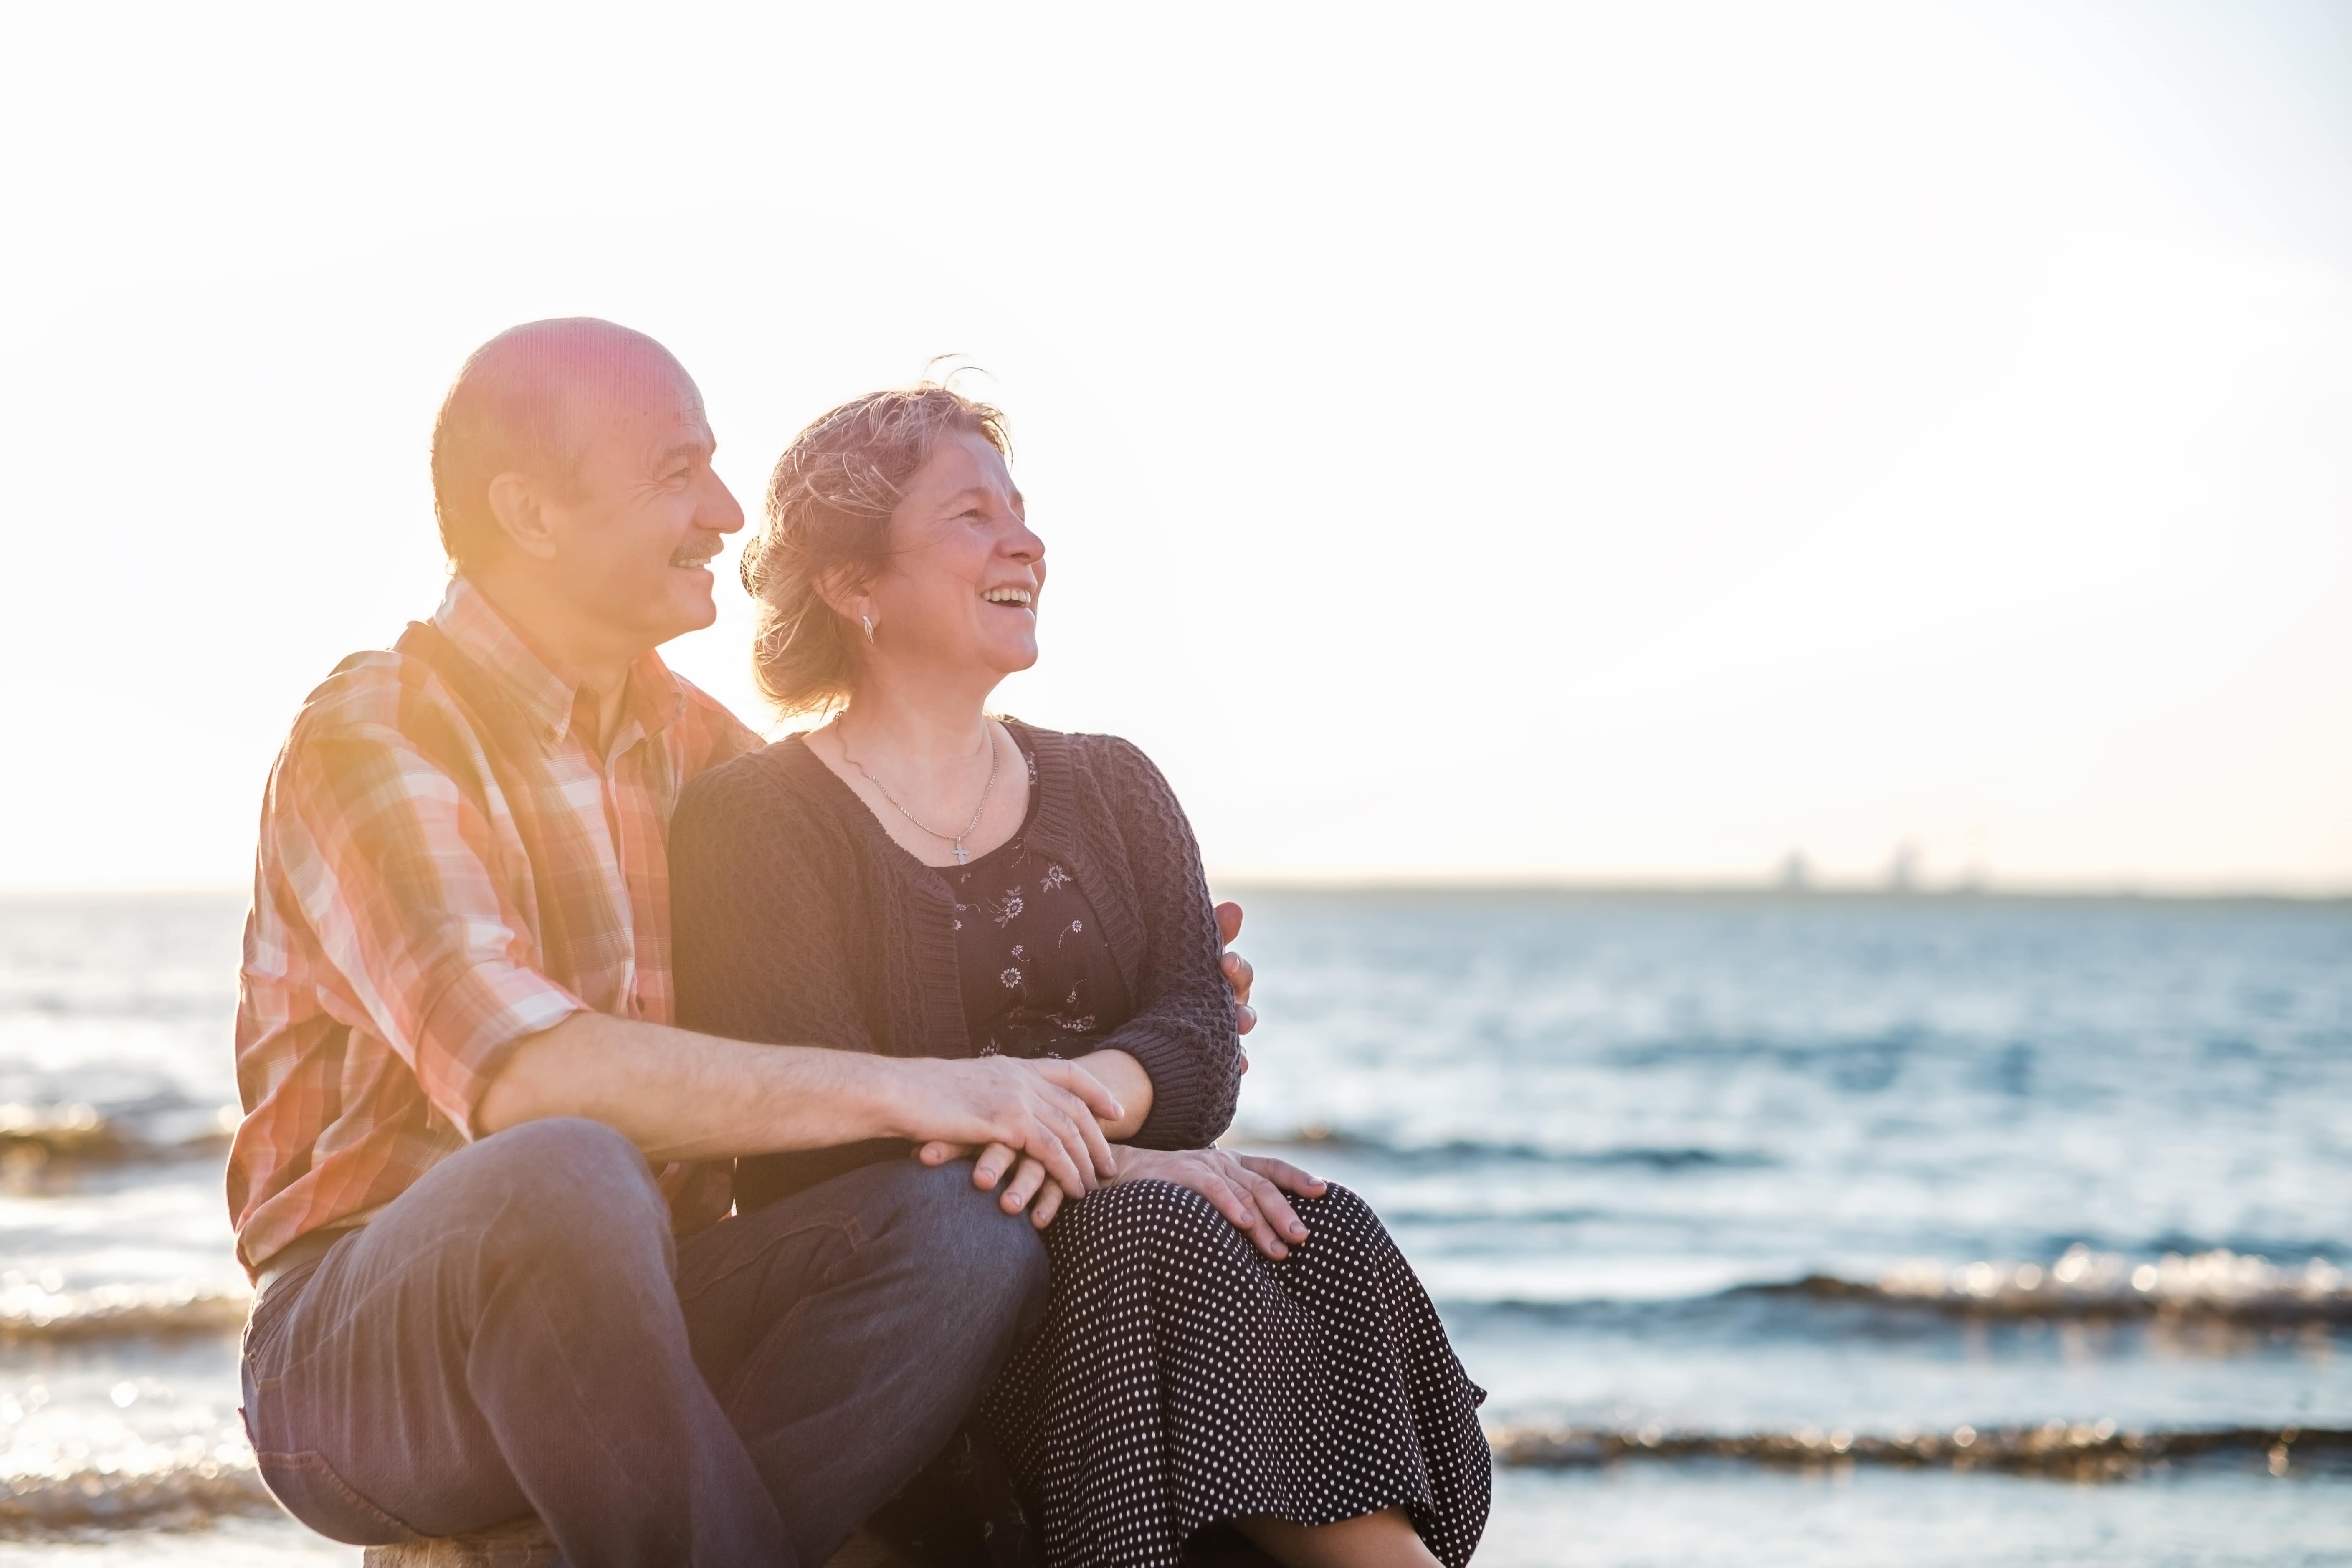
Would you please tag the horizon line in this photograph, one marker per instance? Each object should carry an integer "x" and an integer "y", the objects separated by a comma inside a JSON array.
[{"x": 1564, "y": 887}]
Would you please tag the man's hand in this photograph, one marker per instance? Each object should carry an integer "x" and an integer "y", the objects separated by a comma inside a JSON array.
[
  {"x": 1034, "y": 1187},
  {"x": 1051, "y": 1113},
  {"x": 1238, "y": 973}
]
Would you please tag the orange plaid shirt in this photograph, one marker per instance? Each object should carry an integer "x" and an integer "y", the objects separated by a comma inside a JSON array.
[{"x": 447, "y": 865}]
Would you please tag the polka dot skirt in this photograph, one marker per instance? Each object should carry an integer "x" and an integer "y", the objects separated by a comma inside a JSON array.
[{"x": 1182, "y": 1378}]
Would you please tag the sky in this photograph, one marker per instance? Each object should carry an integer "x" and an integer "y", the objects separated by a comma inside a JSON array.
[{"x": 1603, "y": 444}]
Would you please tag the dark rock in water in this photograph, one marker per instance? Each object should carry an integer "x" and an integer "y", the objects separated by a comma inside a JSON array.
[{"x": 526, "y": 1543}]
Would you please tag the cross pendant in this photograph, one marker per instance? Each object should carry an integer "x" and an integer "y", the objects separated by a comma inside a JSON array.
[{"x": 960, "y": 855}]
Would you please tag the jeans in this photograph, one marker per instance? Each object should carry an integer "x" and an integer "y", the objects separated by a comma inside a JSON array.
[{"x": 519, "y": 1332}]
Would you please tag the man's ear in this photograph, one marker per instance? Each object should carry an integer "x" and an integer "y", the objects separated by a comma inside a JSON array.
[{"x": 522, "y": 511}]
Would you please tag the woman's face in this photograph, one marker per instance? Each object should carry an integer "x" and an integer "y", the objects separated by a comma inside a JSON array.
[{"x": 965, "y": 572}]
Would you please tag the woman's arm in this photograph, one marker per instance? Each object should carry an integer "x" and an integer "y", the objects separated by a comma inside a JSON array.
[{"x": 1182, "y": 1032}]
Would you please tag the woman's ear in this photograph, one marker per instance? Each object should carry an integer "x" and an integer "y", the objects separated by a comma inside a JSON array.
[{"x": 850, "y": 600}]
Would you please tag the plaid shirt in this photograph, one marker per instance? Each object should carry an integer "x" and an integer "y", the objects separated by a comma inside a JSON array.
[{"x": 447, "y": 866}]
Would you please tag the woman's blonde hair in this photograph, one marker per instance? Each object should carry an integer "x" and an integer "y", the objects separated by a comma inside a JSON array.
[{"x": 829, "y": 506}]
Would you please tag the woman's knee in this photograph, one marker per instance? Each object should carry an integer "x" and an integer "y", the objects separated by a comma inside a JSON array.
[
  {"x": 1341, "y": 1209},
  {"x": 1161, "y": 1225}
]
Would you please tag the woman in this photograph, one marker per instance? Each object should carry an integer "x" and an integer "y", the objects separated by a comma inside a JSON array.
[{"x": 1229, "y": 1343}]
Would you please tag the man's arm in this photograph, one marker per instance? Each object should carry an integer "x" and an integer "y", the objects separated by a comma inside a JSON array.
[{"x": 679, "y": 1095}]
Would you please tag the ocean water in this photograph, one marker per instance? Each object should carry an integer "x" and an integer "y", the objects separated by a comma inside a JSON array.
[{"x": 1781, "y": 1231}]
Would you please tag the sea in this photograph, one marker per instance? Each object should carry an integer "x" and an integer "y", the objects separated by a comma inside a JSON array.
[{"x": 1780, "y": 1229}]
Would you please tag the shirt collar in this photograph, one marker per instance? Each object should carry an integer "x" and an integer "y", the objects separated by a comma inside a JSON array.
[{"x": 654, "y": 699}]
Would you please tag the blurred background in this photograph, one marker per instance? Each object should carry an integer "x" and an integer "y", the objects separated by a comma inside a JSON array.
[{"x": 1767, "y": 609}]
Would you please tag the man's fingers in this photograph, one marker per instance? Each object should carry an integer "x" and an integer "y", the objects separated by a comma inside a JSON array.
[
  {"x": 1061, "y": 1128},
  {"x": 1072, "y": 1079},
  {"x": 1086, "y": 1134},
  {"x": 1229, "y": 923},
  {"x": 1105, "y": 1163},
  {"x": 1245, "y": 1020},
  {"x": 1094, "y": 1149},
  {"x": 1239, "y": 976},
  {"x": 1062, "y": 1154}
]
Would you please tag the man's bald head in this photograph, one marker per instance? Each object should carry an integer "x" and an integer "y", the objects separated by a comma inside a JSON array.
[{"x": 515, "y": 408}]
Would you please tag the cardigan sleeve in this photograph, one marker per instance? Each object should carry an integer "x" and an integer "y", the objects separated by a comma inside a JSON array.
[
  {"x": 1182, "y": 1029},
  {"x": 758, "y": 931}
]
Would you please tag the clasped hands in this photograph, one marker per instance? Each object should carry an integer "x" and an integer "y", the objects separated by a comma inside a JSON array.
[{"x": 1055, "y": 1112}]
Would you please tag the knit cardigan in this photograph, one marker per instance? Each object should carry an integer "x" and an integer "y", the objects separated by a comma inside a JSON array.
[{"x": 797, "y": 920}]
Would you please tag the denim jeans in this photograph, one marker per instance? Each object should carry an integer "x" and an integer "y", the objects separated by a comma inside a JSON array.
[{"x": 519, "y": 1332}]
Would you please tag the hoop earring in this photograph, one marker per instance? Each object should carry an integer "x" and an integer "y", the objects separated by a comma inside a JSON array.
[{"x": 868, "y": 620}]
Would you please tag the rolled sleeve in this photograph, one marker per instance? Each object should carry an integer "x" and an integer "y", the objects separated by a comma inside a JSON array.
[
  {"x": 467, "y": 1032},
  {"x": 391, "y": 862}
]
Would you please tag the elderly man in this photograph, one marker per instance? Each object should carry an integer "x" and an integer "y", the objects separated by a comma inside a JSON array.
[{"x": 480, "y": 1181}]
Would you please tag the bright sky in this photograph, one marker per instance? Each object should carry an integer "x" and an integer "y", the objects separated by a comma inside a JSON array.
[{"x": 1605, "y": 443}]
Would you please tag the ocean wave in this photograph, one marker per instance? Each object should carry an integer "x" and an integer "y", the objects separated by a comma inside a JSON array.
[
  {"x": 2218, "y": 1285},
  {"x": 32, "y": 1137},
  {"x": 172, "y": 1486},
  {"x": 2239, "y": 1287},
  {"x": 1457, "y": 1150},
  {"x": 101, "y": 1002},
  {"x": 31, "y": 1312},
  {"x": 2069, "y": 1450}
]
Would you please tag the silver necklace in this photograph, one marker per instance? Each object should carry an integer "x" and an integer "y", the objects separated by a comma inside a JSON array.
[{"x": 995, "y": 761}]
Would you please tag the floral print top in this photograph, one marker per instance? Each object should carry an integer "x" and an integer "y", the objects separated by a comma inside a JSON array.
[{"x": 1038, "y": 979}]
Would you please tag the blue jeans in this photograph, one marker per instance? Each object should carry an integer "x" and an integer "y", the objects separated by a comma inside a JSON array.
[{"x": 519, "y": 1332}]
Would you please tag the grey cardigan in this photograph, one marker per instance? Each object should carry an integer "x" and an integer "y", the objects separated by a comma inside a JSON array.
[{"x": 797, "y": 920}]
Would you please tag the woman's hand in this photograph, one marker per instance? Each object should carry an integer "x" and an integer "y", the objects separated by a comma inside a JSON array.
[
  {"x": 1030, "y": 1179},
  {"x": 1247, "y": 1190}
]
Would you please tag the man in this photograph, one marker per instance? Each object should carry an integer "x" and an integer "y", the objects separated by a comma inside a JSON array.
[{"x": 480, "y": 1183}]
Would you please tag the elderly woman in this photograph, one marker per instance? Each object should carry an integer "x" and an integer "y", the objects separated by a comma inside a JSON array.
[{"x": 1230, "y": 1344}]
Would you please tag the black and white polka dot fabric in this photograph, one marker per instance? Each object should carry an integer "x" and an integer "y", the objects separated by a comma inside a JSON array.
[{"x": 1182, "y": 1378}]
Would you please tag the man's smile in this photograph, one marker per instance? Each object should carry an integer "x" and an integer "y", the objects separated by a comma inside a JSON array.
[{"x": 697, "y": 551}]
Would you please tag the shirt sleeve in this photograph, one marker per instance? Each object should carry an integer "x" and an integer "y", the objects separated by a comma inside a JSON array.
[{"x": 391, "y": 863}]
